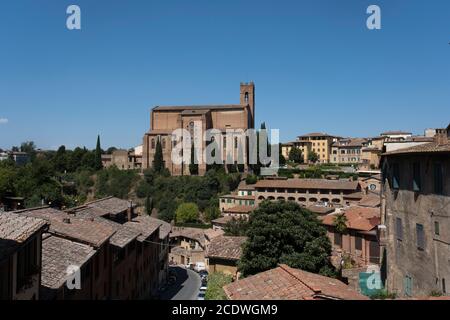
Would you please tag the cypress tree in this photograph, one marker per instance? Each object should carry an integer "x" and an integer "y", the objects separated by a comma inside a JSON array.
[
  {"x": 98, "y": 155},
  {"x": 193, "y": 167},
  {"x": 158, "y": 160}
]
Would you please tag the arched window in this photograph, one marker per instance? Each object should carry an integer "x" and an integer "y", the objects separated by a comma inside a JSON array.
[{"x": 246, "y": 97}]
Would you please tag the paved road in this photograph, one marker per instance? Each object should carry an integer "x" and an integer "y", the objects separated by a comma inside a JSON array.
[{"x": 187, "y": 285}]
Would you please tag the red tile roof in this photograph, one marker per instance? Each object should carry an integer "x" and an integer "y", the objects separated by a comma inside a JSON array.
[
  {"x": 309, "y": 184},
  {"x": 87, "y": 231},
  {"x": 358, "y": 218},
  {"x": 226, "y": 247},
  {"x": 239, "y": 209},
  {"x": 285, "y": 283}
]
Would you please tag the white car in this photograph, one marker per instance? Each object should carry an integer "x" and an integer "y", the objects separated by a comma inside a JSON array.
[
  {"x": 203, "y": 288},
  {"x": 200, "y": 266}
]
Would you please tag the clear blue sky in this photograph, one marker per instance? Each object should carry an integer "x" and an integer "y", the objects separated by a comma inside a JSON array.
[{"x": 315, "y": 65}]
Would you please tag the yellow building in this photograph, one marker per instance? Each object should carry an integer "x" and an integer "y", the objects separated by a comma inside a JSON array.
[{"x": 318, "y": 142}]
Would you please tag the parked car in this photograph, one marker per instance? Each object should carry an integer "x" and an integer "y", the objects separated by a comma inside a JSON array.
[
  {"x": 201, "y": 295},
  {"x": 200, "y": 266},
  {"x": 204, "y": 281},
  {"x": 203, "y": 288},
  {"x": 203, "y": 273},
  {"x": 190, "y": 266}
]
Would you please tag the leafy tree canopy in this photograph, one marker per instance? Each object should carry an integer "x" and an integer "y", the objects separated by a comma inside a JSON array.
[{"x": 283, "y": 232}]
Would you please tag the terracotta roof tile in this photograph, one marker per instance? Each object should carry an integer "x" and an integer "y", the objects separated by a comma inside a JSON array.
[
  {"x": 16, "y": 229},
  {"x": 358, "y": 218},
  {"x": 226, "y": 247},
  {"x": 285, "y": 283},
  {"x": 308, "y": 184},
  {"x": 239, "y": 209},
  {"x": 422, "y": 148},
  {"x": 57, "y": 255},
  {"x": 87, "y": 231},
  {"x": 145, "y": 225}
]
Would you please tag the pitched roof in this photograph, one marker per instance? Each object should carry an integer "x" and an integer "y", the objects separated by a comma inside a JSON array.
[
  {"x": 190, "y": 233},
  {"x": 285, "y": 283},
  {"x": 351, "y": 142},
  {"x": 394, "y": 132},
  {"x": 92, "y": 232},
  {"x": 308, "y": 184},
  {"x": 145, "y": 225},
  {"x": 57, "y": 255},
  {"x": 320, "y": 209},
  {"x": 110, "y": 205},
  {"x": 226, "y": 247},
  {"x": 316, "y": 134},
  {"x": 198, "y": 107},
  {"x": 240, "y": 209},
  {"x": 433, "y": 147},
  {"x": 16, "y": 229},
  {"x": 370, "y": 200},
  {"x": 358, "y": 218},
  {"x": 222, "y": 220}
]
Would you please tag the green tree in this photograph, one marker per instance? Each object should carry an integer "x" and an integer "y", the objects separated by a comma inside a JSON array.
[
  {"x": 211, "y": 213},
  {"x": 187, "y": 212},
  {"x": 340, "y": 223},
  {"x": 98, "y": 155},
  {"x": 193, "y": 167},
  {"x": 295, "y": 155},
  {"x": 283, "y": 232},
  {"x": 216, "y": 282},
  {"x": 148, "y": 205},
  {"x": 251, "y": 179},
  {"x": 282, "y": 159},
  {"x": 158, "y": 161},
  {"x": 236, "y": 227},
  {"x": 313, "y": 157}
]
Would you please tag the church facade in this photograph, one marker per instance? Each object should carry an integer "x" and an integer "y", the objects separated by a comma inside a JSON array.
[{"x": 165, "y": 120}]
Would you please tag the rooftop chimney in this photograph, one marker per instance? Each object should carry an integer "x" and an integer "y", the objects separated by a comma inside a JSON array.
[
  {"x": 441, "y": 136},
  {"x": 130, "y": 211}
]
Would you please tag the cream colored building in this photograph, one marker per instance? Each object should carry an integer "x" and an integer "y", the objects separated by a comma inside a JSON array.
[{"x": 318, "y": 142}]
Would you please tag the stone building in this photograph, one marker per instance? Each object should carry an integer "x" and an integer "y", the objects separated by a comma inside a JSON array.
[
  {"x": 223, "y": 254},
  {"x": 164, "y": 120},
  {"x": 359, "y": 243},
  {"x": 318, "y": 142},
  {"x": 416, "y": 217},
  {"x": 124, "y": 159},
  {"x": 20, "y": 256},
  {"x": 307, "y": 192},
  {"x": 347, "y": 151}
]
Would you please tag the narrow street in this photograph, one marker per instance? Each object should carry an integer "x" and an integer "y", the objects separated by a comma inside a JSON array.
[{"x": 186, "y": 287}]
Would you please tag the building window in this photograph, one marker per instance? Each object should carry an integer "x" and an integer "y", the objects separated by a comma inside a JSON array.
[
  {"x": 153, "y": 143},
  {"x": 358, "y": 243},
  {"x": 416, "y": 177},
  {"x": 436, "y": 228},
  {"x": 224, "y": 142},
  {"x": 399, "y": 229},
  {"x": 163, "y": 142},
  {"x": 444, "y": 289},
  {"x": 438, "y": 179},
  {"x": 236, "y": 142},
  {"x": 396, "y": 176},
  {"x": 420, "y": 236}
]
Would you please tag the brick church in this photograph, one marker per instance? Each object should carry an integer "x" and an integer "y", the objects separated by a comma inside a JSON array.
[{"x": 165, "y": 119}]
